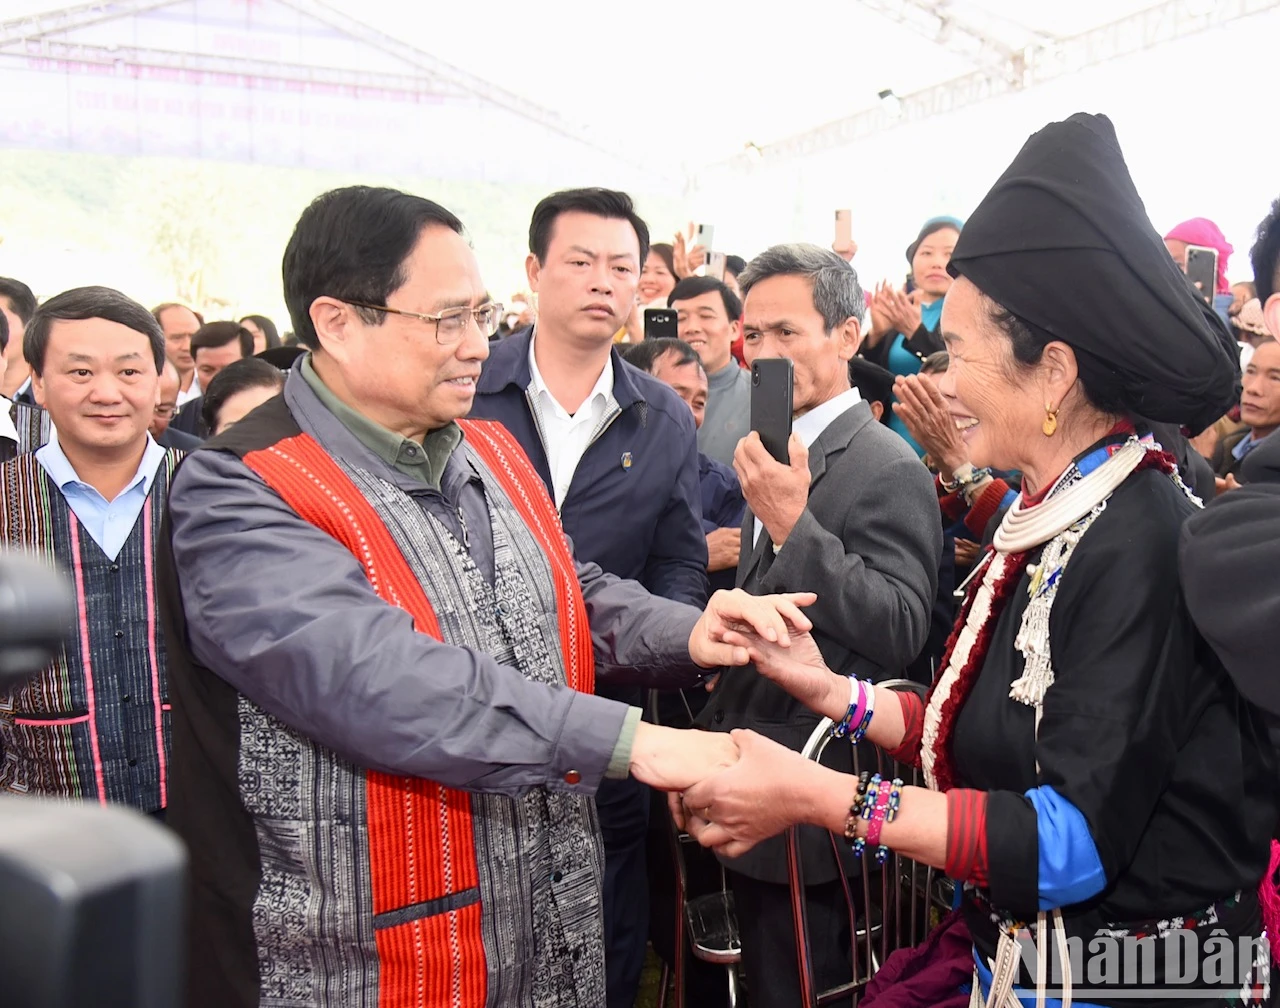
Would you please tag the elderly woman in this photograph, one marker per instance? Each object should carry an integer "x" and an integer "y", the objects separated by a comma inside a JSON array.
[{"x": 1093, "y": 775}]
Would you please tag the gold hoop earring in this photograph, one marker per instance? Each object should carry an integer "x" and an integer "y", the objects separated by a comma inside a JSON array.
[{"x": 1050, "y": 425}]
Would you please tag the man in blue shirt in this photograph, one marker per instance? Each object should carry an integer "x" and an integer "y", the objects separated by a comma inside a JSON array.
[{"x": 95, "y": 724}]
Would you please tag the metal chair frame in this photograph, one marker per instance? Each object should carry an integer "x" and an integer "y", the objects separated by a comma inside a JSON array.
[{"x": 900, "y": 925}]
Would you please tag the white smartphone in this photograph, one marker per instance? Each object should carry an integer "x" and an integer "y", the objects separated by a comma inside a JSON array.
[
  {"x": 844, "y": 229},
  {"x": 716, "y": 266},
  {"x": 705, "y": 235}
]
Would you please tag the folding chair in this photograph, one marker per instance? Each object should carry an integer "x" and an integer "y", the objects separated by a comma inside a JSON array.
[{"x": 899, "y": 900}]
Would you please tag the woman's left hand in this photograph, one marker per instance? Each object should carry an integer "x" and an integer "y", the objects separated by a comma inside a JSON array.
[{"x": 765, "y": 792}]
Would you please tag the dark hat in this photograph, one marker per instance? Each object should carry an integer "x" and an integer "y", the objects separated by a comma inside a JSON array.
[
  {"x": 932, "y": 226},
  {"x": 1063, "y": 242},
  {"x": 282, "y": 357},
  {"x": 1229, "y": 560}
]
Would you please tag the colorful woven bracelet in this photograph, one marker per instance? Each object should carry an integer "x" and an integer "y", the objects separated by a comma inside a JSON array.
[{"x": 877, "y": 822}]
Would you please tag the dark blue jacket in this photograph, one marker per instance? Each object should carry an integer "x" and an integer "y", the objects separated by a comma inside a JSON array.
[
  {"x": 634, "y": 506},
  {"x": 722, "y": 507}
]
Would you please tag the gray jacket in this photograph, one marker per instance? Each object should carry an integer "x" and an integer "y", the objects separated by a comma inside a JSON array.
[
  {"x": 284, "y": 613},
  {"x": 868, "y": 543}
]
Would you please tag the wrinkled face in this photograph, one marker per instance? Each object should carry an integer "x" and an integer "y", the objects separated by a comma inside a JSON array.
[
  {"x": 656, "y": 281},
  {"x": 179, "y": 325},
  {"x": 1260, "y": 400},
  {"x": 587, "y": 285},
  {"x": 211, "y": 360},
  {"x": 929, "y": 265},
  {"x": 688, "y": 380},
  {"x": 995, "y": 408},
  {"x": 235, "y": 408},
  {"x": 398, "y": 371},
  {"x": 780, "y": 320},
  {"x": 99, "y": 385},
  {"x": 703, "y": 323},
  {"x": 168, "y": 404},
  {"x": 259, "y": 337}
]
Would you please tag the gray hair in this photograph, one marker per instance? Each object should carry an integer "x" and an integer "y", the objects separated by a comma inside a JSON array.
[{"x": 837, "y": 295}]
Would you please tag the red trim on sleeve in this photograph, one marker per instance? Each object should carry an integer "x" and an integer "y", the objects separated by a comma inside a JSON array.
[
  {"x": 987, "y": 504},
  {"x": 908, "y": 750},
  {"x": 967, "y": 836}
]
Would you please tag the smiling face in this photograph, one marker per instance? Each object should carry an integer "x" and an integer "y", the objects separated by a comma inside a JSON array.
[
  {"x": 656, "y": 281},
  {"x": 99, "y": 384},
  {"x": 703, "y": 323},
  {"x": 996, "y": 408},
  {"x": 586, "y": 287},
  {"x": 929, "y": 264},
  {"x": 398, "y": 374}
]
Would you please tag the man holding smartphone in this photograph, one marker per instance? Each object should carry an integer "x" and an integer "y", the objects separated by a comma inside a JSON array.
[
  {"x": 709, "y": 319},
  {"x": 852, "y": 516}
]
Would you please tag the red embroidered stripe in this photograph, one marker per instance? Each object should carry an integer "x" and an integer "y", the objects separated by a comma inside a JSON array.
[
  {"x": 502, "y": 454},
  {"x": 908, "y": 750},
  {"x": 421, "y": 843},
  {"x": 967, "y": 836}
]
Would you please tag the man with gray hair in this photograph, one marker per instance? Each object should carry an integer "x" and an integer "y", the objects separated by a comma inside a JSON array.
[{"x": 854, "y": 518}]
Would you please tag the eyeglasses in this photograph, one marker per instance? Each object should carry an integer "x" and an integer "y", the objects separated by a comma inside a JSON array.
[
  {"x": 451, "y": 325},
  {"x": 165, "y": 410}
]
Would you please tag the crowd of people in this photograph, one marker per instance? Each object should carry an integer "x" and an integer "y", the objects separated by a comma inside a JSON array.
[{"x": 423, "y": 624}]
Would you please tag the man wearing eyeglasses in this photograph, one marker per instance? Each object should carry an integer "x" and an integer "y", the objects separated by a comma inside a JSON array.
[
  {"x": 162, "y": 429},
  {"x": 385, "y": 733},
  {"x": 617, "y": 451}
]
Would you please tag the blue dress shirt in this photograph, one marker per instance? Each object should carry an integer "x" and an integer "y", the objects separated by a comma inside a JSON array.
[{"x": 109, "y": 523}]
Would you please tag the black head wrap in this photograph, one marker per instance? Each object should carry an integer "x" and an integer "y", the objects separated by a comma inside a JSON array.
[{"x": 1063, "y": 242}]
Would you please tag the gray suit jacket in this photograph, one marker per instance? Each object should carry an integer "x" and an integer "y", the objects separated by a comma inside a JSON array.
[{"x": 868, "y": 543}]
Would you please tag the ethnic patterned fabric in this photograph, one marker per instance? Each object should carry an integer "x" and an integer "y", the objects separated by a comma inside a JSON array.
[
  {"x": 387, "y": 891},
  {"x": 94, "y": 724}
]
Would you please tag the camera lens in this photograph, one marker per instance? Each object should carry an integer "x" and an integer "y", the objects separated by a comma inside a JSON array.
[{"x": 755, "y": 377}]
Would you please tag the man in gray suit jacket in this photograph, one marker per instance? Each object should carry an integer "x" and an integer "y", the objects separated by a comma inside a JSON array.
[{"x": 854, "y": 518}]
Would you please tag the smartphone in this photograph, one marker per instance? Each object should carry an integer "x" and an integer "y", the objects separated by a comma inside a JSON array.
[
  {"x": 660, "y": 323},
  {"x": 716, "y": 265},
  {"x": 771, "y": 379},
  {"x": 705, "y": 235},
  {"x": 1202, "y": 270},
  {"x": 844, "y": 230}
]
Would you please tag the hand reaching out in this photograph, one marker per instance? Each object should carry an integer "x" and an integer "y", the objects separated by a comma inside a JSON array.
[
  {"x": 673, "y": 759},
  {"x": 799, "y": 669},
  {"x": 767, "y": 790},
  {"x": 770, "y": 617}
]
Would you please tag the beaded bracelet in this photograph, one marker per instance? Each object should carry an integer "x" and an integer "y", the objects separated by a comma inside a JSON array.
[
  {"x": 857, "y": 719},
  {"x": 855, "y": 808},
  {"x": 890, "y": 800},
  {"x": 865, "y": 812}
]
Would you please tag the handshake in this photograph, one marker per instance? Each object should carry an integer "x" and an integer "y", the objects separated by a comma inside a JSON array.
[{"x": 732, "y": 790}]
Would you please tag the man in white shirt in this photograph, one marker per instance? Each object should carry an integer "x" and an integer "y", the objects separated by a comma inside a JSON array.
[
  {"x": 854, "y": 518},
  {"x": 95, "y": 724},
  {"x": 179, "y": 323},
  {"x": 618, "y": 452}
]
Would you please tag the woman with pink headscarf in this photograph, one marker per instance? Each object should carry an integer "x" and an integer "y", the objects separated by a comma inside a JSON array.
[{"x": 1204, "y": 232}]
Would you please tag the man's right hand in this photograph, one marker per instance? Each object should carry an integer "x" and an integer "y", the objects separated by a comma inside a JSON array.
[
  {"x": 673, "y": 759},
  {"x": 723, "y": 548}
]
